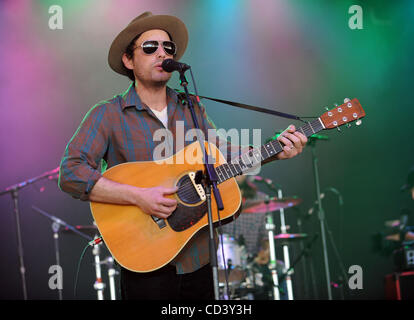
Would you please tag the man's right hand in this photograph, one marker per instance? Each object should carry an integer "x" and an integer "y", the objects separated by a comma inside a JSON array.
[{"x": 153, "y": 201}]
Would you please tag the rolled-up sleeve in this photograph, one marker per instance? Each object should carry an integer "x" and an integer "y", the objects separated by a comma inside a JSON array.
[{"x": 79, "y": 166}]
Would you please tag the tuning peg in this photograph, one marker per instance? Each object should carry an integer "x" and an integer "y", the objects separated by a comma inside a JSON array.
[
  {"x": 348, "y": 125},
  {"x": 336, "y": 105},
  {"x": 359, "y": 122},
  {"x": 346, "y": 100},
  {"x": 326, "y": 108},
  {"x": 339, "y": 129}
]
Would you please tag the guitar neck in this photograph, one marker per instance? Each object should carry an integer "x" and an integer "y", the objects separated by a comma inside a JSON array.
[{"x": 257, "y": 156}]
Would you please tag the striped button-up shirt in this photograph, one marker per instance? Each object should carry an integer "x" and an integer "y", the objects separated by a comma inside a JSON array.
[{"x": 121, "y": 130}]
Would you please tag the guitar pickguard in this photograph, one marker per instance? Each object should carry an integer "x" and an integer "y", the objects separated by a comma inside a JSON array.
[{"x": 184, "y": 217}]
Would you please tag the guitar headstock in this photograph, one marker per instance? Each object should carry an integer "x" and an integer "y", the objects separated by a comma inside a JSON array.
[{"x": 347, "y": 112}]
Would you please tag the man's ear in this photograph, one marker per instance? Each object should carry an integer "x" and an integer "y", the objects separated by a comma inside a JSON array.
[{"x": 127, "y": 62}]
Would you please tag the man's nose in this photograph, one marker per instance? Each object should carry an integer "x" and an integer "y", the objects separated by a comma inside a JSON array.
[{"x": 160, "y": 52}]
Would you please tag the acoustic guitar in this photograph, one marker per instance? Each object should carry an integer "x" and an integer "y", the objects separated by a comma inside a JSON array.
[{"x": 143, "y": 243}]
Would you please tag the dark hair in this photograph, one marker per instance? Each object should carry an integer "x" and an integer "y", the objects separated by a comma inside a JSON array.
[{"x": 129, "y": 51}]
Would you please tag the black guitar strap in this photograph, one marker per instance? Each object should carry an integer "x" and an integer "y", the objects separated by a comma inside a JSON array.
[{"x": 253, "y": 108}]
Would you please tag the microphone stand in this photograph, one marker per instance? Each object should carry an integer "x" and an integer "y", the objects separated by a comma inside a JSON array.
[
  {"x": 14, "y": 191},
  {"x": 321, "y": 217},
  {"x": 210, "y": 183},
  {"x": 56, "y": 224},
  {"x": 343, "y": 279}
]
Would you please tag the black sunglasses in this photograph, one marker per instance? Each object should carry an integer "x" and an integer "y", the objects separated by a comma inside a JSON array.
[{"x": 150, "y": 46}]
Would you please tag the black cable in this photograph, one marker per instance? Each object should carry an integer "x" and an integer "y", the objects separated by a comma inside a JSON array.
[{"x": 78, "y": 268}]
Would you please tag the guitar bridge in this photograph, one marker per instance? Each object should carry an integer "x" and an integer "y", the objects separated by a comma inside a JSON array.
[
  {"x": 161, "y": 223},
  {"x": 199, "y": 188}
]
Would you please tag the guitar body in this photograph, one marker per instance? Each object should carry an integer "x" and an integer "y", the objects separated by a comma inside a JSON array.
[{"x": 139, "y": 243}]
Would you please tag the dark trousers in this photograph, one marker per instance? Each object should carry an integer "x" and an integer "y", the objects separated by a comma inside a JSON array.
[{"x": 166, "y": 284}]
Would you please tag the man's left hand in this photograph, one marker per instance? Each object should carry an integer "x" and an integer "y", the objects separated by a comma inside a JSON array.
[{"x": 292, "y": 141}]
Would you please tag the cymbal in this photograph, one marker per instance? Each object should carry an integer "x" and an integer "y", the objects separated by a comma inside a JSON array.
[
  {"x": 291, "y": 236},
  {"x": 91, "y": 230},
  {"x": 274, "y": 204}
]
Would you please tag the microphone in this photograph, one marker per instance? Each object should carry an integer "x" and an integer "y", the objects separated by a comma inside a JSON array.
[{"x": 170, "y": 65}]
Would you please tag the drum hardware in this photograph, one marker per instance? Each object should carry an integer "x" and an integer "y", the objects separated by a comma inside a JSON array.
[
  {"x": 278, "y": 203},
  {"x": 99, "y": 285},
  {"x": 286, "y": 238},
  {"x": 232, "y": 272},
  {"x": 268, "y": 206},
  {"x": 273, "y": 204},
  {"x": 270, "y": 227},
  {"x": 305, "y": 251},
  {"x": 286, "y": 258}
]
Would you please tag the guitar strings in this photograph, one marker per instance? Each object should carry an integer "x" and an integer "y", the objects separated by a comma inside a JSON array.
[{"x": 187, "y": 189}]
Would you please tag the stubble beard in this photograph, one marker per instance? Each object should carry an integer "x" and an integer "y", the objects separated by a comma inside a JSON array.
[{"x": 149, "y": 82}]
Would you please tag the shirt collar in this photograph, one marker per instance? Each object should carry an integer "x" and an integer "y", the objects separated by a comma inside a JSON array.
[{"x": 130, "y": 97}]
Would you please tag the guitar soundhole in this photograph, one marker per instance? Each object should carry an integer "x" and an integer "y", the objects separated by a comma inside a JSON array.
[
  {"x": 184, "y": 216},
  {"x": 186, "y": 192}
]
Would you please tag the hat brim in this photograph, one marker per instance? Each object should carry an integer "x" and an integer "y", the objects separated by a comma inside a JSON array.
[{"x": 174, "y": 26}]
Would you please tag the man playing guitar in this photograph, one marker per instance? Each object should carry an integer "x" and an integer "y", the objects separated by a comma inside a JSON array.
[{"x": 121, "y": 130}]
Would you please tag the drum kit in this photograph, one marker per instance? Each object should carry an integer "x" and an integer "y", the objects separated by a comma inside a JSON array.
[{"x": 243, "y": 276}]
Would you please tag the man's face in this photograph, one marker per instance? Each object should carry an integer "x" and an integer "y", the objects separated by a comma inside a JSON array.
[{"x": 147, "y": 68}]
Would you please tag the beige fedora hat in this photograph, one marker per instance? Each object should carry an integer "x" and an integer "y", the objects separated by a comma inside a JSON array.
[{"x": 144, "y": 22}]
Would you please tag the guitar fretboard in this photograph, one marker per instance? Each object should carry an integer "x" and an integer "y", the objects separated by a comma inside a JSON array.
[{"x": 256, "y": 156}]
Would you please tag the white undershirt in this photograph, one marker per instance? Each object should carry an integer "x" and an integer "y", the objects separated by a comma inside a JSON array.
[{"x": 162, "y": 115}]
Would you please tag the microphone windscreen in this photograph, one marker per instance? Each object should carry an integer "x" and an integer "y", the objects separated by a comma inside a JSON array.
[{"x": 169, "y": 65}]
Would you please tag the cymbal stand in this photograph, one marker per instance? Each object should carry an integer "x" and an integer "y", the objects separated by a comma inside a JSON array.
[
  {"x": 270, "y": 227},
  {"x": 285, "y": 247},
  {"x": 109, "y": 261},
  {"x": 99, "y": 286}
]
